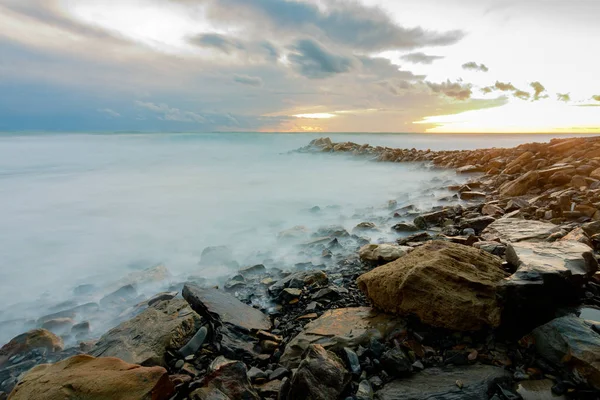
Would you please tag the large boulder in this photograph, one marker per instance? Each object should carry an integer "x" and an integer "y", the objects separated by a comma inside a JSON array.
[
  {"x": 320, "y": 376},
  {"x": 445, "y": 284},
  {"x": 518, "y": 230},
  {"x": 382, "y": 253},
  {"x": 340, "y": 328},
  {"x": 145, "y": 339},
  {"x": 84, "y": 377},
  {"x": 442, "y": 384},
  {"x": 521, "y": 185},
  {"x": 570, "y": 341},
  {"x": 25, "y": 342}
]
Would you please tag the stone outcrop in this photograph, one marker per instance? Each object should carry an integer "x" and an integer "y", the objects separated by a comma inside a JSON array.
[
  {"x": 146, "y": 338},
  {"x": 343, "y": 327},
  {"x": 444, "y": 284},
  {"x": 570, "y": 341},
  {"x": 443, "y": 384},
  {"x": 87, "y": 378}
]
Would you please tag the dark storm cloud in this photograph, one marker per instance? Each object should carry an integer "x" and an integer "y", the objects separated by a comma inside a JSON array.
[
  {"x": 248, "y": 80},
  {"x": 420, "y": 58},
  {"x": 566, "y": 97},
  {"x": 538, "y": 89},
  {"x": 220, "y": 42},
  {"x": 456, "y": 90},
  {"x": 314, "y": 61},
  {"x": 475, "y": 67},
  {"x": 350, "y": 23}
]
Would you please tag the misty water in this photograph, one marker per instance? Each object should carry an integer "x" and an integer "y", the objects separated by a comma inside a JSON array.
[{"x": 91, "y": 209}]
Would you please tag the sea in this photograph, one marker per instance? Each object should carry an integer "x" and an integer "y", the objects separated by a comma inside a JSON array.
[{"x": 90, "y": 209}]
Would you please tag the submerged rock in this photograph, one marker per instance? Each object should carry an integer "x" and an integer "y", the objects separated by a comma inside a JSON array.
[
  {"x": 87, "y": 378},
  {"x": 444, "y": 284},
  {"x": 320, "y": 375},
  {"x": 340, "y": 328},
  {"x": 441, "y": 384},
  {"x": 571, "y": 342},
  {"x": 146, "y": 338}
]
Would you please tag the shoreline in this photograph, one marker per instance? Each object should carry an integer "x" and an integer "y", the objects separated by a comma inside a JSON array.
[{"x": 518, "y": 185}]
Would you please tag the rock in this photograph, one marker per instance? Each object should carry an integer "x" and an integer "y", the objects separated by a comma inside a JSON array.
[
  {"x": 253, "y": 270},
  {"x": 591, "y": 228},
  {"x": 472, "y": 196},
  {"x": 444, "y": 284},
  {"x": 492, "y": 210},
  {"x": 423, "y": 221},
  {"x": 521, "y": 185},
  {"x": 364, "y": 391},
  {"x": 518, "y": 230},
  {"x": 230, "y": 378},
  {"x": 352, "y": 361},
  {"x": 469, "y": 169},
  {"x": 298, "y": 281},
  {"x": 364, "y": 226},
  {"x": 417, "y": 237},
  {"x": 255, "y": 374},
  {"x": 81, "y": 328},
  {"x": 208, "y": 394},
  {"x": 25, "y": 342},
  {"x": 320, "y": 376},
  {"x": 58, "y": 325},
  {"x": 478, "y": 224},
  {"x": 269, "y": 389},
  {"x": 440, "y": 384},
  {"x": 578, "y": 235},
  {"x": 195, "y": 343},
  {"x": 404, "y": 227},
  {"x": 343, "y": 327},
  {"x": 537, "y": 390},
  {"x": 84, "y": 377},
  {"x": 279, "y": 373},
  {"x": 396, "y": 362},
  {"x": 217, "y": 256},
  {"x": 570, "y": 341},
  {"x": 382, "y": 253},
  {"x": 156, "y": 274},
  {"x": 146, "y": 338},
  {"x": 164, "y": 296},
  {"x": 122, "y": 296},
  {"x": 223, "y": 308}
]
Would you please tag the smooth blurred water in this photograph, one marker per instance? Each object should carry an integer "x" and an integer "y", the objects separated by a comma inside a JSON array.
[{"x": 81, "y": 208}]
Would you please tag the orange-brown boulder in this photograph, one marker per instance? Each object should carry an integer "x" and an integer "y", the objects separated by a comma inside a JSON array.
[
  {"x": 444, "y": 284},
  {"x": 28, "y": 341},
  {"x": 521, "y": 185},
  {"x": 85, "y": 377}
]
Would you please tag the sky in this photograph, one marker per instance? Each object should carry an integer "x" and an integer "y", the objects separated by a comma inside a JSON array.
[{"x": 438, "y": 66}]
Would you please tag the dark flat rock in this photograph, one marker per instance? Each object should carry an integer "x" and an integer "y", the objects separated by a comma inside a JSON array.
[{"x": 216, "y": 305}]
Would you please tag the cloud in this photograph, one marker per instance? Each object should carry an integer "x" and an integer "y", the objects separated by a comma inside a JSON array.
[
  {"x": 248, "y": 80},
  {"x": 314, "y": 61},
  {"x": 396, "y": 87},
  {"x": 420, "y": 58},
  {"x": 347, "y": 23},
  {"x": 596, "y": 97},
  {"x": 472, "y": 65},
  {"x": 487, "y": 89},
  {"x": 505, "y": 87},
  {"x": 456, "y": 90},
  {"x": 566, "y": 97},
  {"x": 216, "y": 41},
  {"x": 109, "y": 112},
  {"x": 522, "y": 95},
  {"x": 538, "y": 89},
  {"x": 170, "y": 114}
]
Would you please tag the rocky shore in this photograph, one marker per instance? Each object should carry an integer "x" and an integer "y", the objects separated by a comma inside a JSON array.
[{"x": 494, "y": 296}]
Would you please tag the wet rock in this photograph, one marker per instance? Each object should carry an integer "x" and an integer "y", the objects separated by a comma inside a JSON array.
[
  {"x": 521, "y": 185},
  {"x": 518, "y": 230},
  {"x": 164, "y": 296},
  {"x": 230, "y": 378},
  {"x": 223, "y": 308},
  {"x": 495, "y": 248},
  {"x": 25, "y": 342},
  {"x": 571, "y": 342},
  {"x": 298, "y": 281},
  {"x": 472, "y": 196},
  {"x": 255, "y": 374},
  {"x": 441, "y": 384},
  {"x": 404, "y": 227},
  {"x": 122, "y": 296},
  {"x": 279, "y": 373},
  {"x": 537, "y": 390},
  {"x": 87, "y": 378},
  {"x": 217, "y": 255},
  {"x": 364, "y": 227},
  {"x": 382, "y": 253},
  {"x": 84, "y": 290},
  {"x": 146, "y": 338},
  {"x": 418, "y": 237},
  {"x": 352, "y": 361},
  {"x": 444, "y": 284},
  {"x": 195, "y": 343},
  {"x": 344, "y": 327},
  {"x": 320, "y": 375},
  {"x": 148, "y": 276},
  {"x": 396, "y": 362},
  {"x": 269, "y": 389},
  {"x": 253, "y": 270},
  {"x": 364, "y": 391},
  {"x": 59, "y": 325},
  {"x": 81, "y": 328},
  {"x": 477, "y": 224}
]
